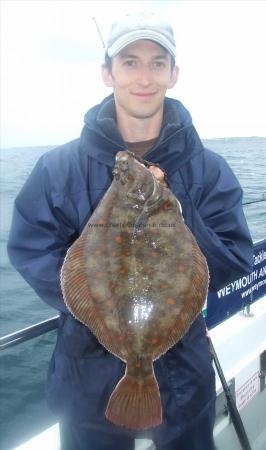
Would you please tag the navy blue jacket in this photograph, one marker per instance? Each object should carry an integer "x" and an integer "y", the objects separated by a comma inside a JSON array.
[{"x": 50, "y": 212}]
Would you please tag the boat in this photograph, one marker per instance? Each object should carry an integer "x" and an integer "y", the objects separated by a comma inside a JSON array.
[{"x": 235, "y": 317}]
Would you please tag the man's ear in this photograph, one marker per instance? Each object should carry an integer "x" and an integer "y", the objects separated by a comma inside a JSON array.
[
  {"x": 174, "y": 77},
  {"x": 107, "y": 76}
]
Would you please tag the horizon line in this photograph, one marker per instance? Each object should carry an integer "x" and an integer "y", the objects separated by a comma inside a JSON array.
[{"x": 58, "y": 145}]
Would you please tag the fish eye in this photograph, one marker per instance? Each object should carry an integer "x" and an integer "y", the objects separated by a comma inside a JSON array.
[{"x": 124, "y": 165}]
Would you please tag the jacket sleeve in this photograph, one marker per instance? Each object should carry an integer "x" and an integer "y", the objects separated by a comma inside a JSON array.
[
  {"x": 40, "y": 236},
  {"x": 220, "y": 226}
]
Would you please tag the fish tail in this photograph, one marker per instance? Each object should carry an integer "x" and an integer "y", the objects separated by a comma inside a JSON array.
[{"x": 135, "y": 403}]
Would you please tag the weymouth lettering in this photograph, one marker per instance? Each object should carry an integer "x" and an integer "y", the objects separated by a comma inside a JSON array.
[{"x": 242, "y": 282}]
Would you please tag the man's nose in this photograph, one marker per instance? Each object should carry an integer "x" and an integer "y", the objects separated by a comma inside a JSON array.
[{"x": 144, "y": 76}]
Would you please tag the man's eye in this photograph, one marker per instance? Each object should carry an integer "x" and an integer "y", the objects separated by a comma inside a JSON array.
[
  {"x": 158, "y": 64},
  {"x": 130, "y": 63}
]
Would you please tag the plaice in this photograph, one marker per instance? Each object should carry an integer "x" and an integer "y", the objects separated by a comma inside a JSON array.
[{"x": 137, "y": 279}]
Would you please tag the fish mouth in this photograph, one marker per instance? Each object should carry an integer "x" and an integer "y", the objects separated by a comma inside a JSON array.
[
  {"x": 122, "y": 156},
  {"x": 121, "y": 170},
  {"x": 116, "y": 173}
]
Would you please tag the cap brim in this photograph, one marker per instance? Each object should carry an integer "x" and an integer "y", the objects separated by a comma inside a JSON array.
[{"x": 137, "y": 35}]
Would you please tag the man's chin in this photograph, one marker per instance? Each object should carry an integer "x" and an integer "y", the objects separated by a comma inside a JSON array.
[{"x": 144, "y": 114}]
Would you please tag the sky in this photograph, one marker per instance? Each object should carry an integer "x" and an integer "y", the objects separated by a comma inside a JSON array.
[{"x": 51, "y": 55}]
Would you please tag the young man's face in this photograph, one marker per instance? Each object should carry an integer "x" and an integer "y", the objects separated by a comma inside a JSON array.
[{"x": 140, "y": 75}]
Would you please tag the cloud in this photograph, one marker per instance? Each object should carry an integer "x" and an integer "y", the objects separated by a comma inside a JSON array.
[{"x": 51, "y": 54}]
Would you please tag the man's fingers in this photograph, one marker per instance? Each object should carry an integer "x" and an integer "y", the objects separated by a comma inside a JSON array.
[{"x": 157, "y": 172}]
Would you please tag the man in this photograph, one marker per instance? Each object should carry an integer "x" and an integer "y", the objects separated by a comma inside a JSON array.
[{"x": 57, "y": 201}]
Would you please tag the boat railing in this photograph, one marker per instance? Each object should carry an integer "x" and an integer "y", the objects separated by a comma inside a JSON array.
[
  {"x": 12, "y": 339},
  {"x": 262, "y": 198}
]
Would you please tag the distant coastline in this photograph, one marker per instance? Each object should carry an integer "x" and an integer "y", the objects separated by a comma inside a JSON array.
[
  {"x": 224, "y": 139},
  {"x": 32, "y": 147}
]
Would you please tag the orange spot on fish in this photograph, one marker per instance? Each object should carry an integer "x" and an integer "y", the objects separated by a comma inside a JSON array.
[
  {"x": 100, "y": 222},
  {"x": 99, "y": 274},
  {"x": 163, "y": 286},
  {"x": 113, "y": 253},
  {"x": 122, "y": 271},
  {"x": 166, "y": 205},
  {"x": 138, "y": 364},
  {"x": 181, "y": 268},
  {"x": 171, "y": 301},
  {"x": 112, "y": 285},
  {"x": 155, "y": 341},
  {"x": 97, "y": 252},
  {"x": 121, "y": 338},
  {"x": 119, "y": 239},
  {"x": 153, "y": 254}
]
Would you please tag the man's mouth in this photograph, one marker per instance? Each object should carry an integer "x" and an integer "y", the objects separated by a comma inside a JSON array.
[{"x": 143, "y": 94}]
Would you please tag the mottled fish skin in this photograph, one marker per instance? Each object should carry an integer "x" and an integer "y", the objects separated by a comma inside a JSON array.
[{"x": 137, "y": 278}]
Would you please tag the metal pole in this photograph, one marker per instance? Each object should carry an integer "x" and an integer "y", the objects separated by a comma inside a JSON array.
[
  {"x": 99, "y": 31},
  {"x": 235, "y": 416}
]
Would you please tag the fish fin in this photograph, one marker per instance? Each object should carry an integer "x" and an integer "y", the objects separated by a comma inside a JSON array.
[
  {"x": 196, "y": 295},
  {"x": 81, "y": 302},
  {"x": 135, "y": 403}
]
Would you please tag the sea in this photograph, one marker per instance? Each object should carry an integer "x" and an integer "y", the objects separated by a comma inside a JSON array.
[{"x": 23, "y": 410}]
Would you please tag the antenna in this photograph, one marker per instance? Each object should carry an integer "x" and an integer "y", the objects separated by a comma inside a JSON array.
[{"x": 98, "y": 29}]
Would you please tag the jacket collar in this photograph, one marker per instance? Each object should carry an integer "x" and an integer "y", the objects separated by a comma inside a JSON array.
[{"x": 102, "y": 140}]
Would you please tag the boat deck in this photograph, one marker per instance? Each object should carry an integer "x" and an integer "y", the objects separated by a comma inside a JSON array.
[{"x": 240, "y": 343}]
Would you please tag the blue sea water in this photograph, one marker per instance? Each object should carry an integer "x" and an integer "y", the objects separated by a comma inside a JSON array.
[{"x": 23, "y": 411}]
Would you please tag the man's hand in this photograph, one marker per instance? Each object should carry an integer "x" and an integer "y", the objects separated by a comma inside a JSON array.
[{"x": 158, "y": 173}]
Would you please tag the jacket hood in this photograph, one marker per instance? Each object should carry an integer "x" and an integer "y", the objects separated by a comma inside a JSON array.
[{"x": 101, "y": 138}]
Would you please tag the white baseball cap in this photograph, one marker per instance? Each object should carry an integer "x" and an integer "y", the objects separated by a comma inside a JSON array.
[{"x": 142, "y": 25}]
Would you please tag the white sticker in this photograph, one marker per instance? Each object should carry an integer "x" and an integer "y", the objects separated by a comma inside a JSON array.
[{"x": 248, "y": 391}]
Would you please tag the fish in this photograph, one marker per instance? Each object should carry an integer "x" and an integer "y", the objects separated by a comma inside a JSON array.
[{"x": 137, "y": 279}]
